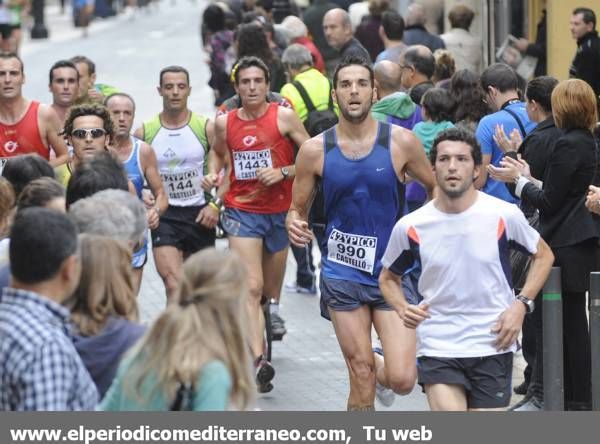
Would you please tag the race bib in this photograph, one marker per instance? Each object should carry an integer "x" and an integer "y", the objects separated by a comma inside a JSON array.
[
  {"x": 183, "y": 184},
  {"x": 352, "y": 250},
  {"x": 245, "y": 163}
]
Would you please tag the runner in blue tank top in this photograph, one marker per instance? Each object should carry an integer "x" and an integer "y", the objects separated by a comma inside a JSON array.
[
  {"x": 139, "y": 161},
  {"x": 362, "y": 165}
]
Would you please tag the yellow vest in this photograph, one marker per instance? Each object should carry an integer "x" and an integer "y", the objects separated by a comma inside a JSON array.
[{"x": 317, "y": 88}]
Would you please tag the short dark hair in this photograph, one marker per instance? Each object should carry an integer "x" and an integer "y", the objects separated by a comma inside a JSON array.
[
  {"x": 353, "y": 60},
  {"x": 101, "y": 172},
  {"x": 500, "y": 76},
  {"x": 393, "y": 25},
  {"x": 213, "y": 18},
  {"x": 438, "y": 104},
  {"x": 461, "y": 16},
  {"x": 248, "y": 62},
  {"x": 589, "y": 16},
  {"x": 119, "y": 94},
  {"x": 457, "y": 135},
  {"x": 540, "y": 89},
  {"x": 48, "y": 233},
  {"x": 90, "y": 109},
  {"x": 83, "y": 59},
  {"x": 39, "y": 192},
  {"x": 21, "y": 170},
  {"x": 12, "y": 55},
  {"x": 62, "y": 64},
  {"x": 423, "y": 63},
  {"x": 173, "y": 68}
]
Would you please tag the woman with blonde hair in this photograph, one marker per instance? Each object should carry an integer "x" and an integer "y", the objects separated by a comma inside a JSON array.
[
  {"x": 565, "y": 223},
  {"x": 195, "y": 356},
  {"x": 104, "y": 312}
]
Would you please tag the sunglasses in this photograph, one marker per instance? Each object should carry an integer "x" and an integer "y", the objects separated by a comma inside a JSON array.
[{"x": 83, "y": 133}]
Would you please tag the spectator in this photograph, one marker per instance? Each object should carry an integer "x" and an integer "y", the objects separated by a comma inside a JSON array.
[
  {"x": 7, "y": 203},
  {"x": 469, "y": 100},
  {"x": 338, "y": 32},
  {"x": 417, "y": 66},
  {"x": 586, "y": 63},
  {"x": 195, "y": 356},
  {"x": 21, "y": 170},
  {"x": 391, "y": 32},
  {"x": 464, "y": 46},
  {"x": 313, "y": 18},
  {"x": 572, "y": 167},
  {"x": 445, "y": 68},
  {"x": 37, "y": 356},
  {"x": 415, "y": 32},
  {"x": 367, "y": 33},
  {"x": 104, "y": 311},
  {"x": 537, "y": 48},
  {"x": 43, "y": 192},
  {"x": 500, "y": 88},
  {"x": 297, "y": 32},
  {"x": 393, "y": 106}
]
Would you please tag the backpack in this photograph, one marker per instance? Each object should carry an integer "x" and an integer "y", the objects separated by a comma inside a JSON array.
[{"x": 317, "y": 121}]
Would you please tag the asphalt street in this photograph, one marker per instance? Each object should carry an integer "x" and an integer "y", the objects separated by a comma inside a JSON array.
[{"x": 129, "y": 53}]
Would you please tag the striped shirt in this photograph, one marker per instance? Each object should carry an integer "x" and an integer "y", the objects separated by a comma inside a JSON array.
[{"x": 39, "y": 367}]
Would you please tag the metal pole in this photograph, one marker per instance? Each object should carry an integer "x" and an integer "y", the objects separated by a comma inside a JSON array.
[
  {"x": 554, "y": 399},
  {"x": 39, "y": 30},
  {"x": 595, "y": 337}
]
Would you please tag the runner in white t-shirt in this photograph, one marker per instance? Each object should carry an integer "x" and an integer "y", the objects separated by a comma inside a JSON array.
[{"x": 469, "y": 319}]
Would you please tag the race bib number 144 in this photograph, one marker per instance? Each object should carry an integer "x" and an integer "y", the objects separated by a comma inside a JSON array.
[
  {"x": 245, "y": 163},
  {"x": 352, "y": 250}
]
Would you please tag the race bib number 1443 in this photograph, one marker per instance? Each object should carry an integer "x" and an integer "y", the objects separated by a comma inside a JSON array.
[
  {"x": 245, "y": 163},
  {"x": 352, "y": 250}
]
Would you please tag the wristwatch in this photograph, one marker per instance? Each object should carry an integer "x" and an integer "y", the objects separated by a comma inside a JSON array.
[
  {"x": 285, "y": 171},
  {"x": 529, "y": 304}
]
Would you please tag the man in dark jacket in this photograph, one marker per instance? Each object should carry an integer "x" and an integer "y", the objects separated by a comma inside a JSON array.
[
  {"x": 586, "y": 64},
  {"x": 338, "y": 32},
  {"x": 415, "y": 32}
]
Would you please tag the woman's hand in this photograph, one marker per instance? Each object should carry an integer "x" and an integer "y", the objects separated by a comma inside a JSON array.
[
  {"x": 506, "y": 144},
  {"x": 592, "y": 201},
  {"x": 509, "y": 170}
]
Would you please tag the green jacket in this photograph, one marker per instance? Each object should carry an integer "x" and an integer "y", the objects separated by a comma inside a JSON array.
[{"x": 398, "y": 105}]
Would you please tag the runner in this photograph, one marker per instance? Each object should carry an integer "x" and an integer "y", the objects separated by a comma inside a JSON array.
[
  {"x": 180, "y": 139},
  {"x": 140, "y": 163},
  {"x": 362, "y": 165},
  {"x": 259, "y": 139},
  {"x": 64, "y": 86},
  {"x": 26, "y": 126},
  {"x": 89, "y": 130},
  {"x": 89, "y": 90},
  {"x": 469, "y": 321}
]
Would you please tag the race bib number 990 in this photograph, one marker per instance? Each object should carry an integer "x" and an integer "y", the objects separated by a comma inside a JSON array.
[
  {"x": 352, "y": 250},
  {"x": 245, "y": 163}
]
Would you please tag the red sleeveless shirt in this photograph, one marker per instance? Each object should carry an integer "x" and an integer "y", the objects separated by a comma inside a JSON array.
[
  {"x": 24, "y": 136},
  {"x": 257, "y": 144}
]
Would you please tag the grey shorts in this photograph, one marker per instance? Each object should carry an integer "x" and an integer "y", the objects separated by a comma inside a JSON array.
[
  {"x": 487, "y": 379},
  {"x": 268, "y": 227},
  {"x": 341, "y": 295}
]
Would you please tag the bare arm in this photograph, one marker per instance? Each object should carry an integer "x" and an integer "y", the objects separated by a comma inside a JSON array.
[
  {"x": 139, "y": 133},
  {"x": 291, "y": 126},
  {"x": 309, "y": 166},
  {"x": 390, "y": 285},
  {"x": 408, "y": 156},
  {"x": 150, "y": 168},
  {"x": 51, "y": 128}
]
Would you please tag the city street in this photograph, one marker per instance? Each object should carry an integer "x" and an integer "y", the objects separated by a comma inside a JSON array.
[{"x": 129, "y": 53}]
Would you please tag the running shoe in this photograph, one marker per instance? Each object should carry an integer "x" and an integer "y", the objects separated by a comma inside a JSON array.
[
  {"x": 384, "y": 394},
  {"x": 295, "y": 288},
  {"x": 264, "y": 375},
  {"x": 278, "y": 329}
]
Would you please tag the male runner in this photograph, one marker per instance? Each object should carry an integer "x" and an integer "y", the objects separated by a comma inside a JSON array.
[
  {"x": 259, "y": 139},
  {"x": 468, "y": 323},
  {"x": 26, "y": 126},
  {"x": 89, "y": 90},
  {"x": 362, "y": 165},
  {"x": 181, "y": 141},
  {"x": 140, "y": 163},
  {"x": 64, "y": 86},
  {"x": 89, "y": 130}
]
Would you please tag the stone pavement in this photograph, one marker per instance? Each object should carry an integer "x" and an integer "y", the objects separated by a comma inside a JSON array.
[{"x": 311, "y": 373}]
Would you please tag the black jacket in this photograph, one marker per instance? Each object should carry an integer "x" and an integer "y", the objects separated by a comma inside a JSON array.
[
  {"x": 586, "y": 64},
  {"x": 571, "y": 168}
]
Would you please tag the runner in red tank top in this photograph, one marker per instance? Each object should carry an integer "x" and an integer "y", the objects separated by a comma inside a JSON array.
[
  {"x": 25, "y": 126},
  {"x": 256, "y": 137}
]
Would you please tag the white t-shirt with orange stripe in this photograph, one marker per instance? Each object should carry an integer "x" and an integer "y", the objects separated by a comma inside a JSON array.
[{"x": 465, "y": 277}]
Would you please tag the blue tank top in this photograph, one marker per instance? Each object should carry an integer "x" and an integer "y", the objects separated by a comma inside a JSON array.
[
  {"x": 363, "y": 201},
  {"x": 133, "y": 167}
]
